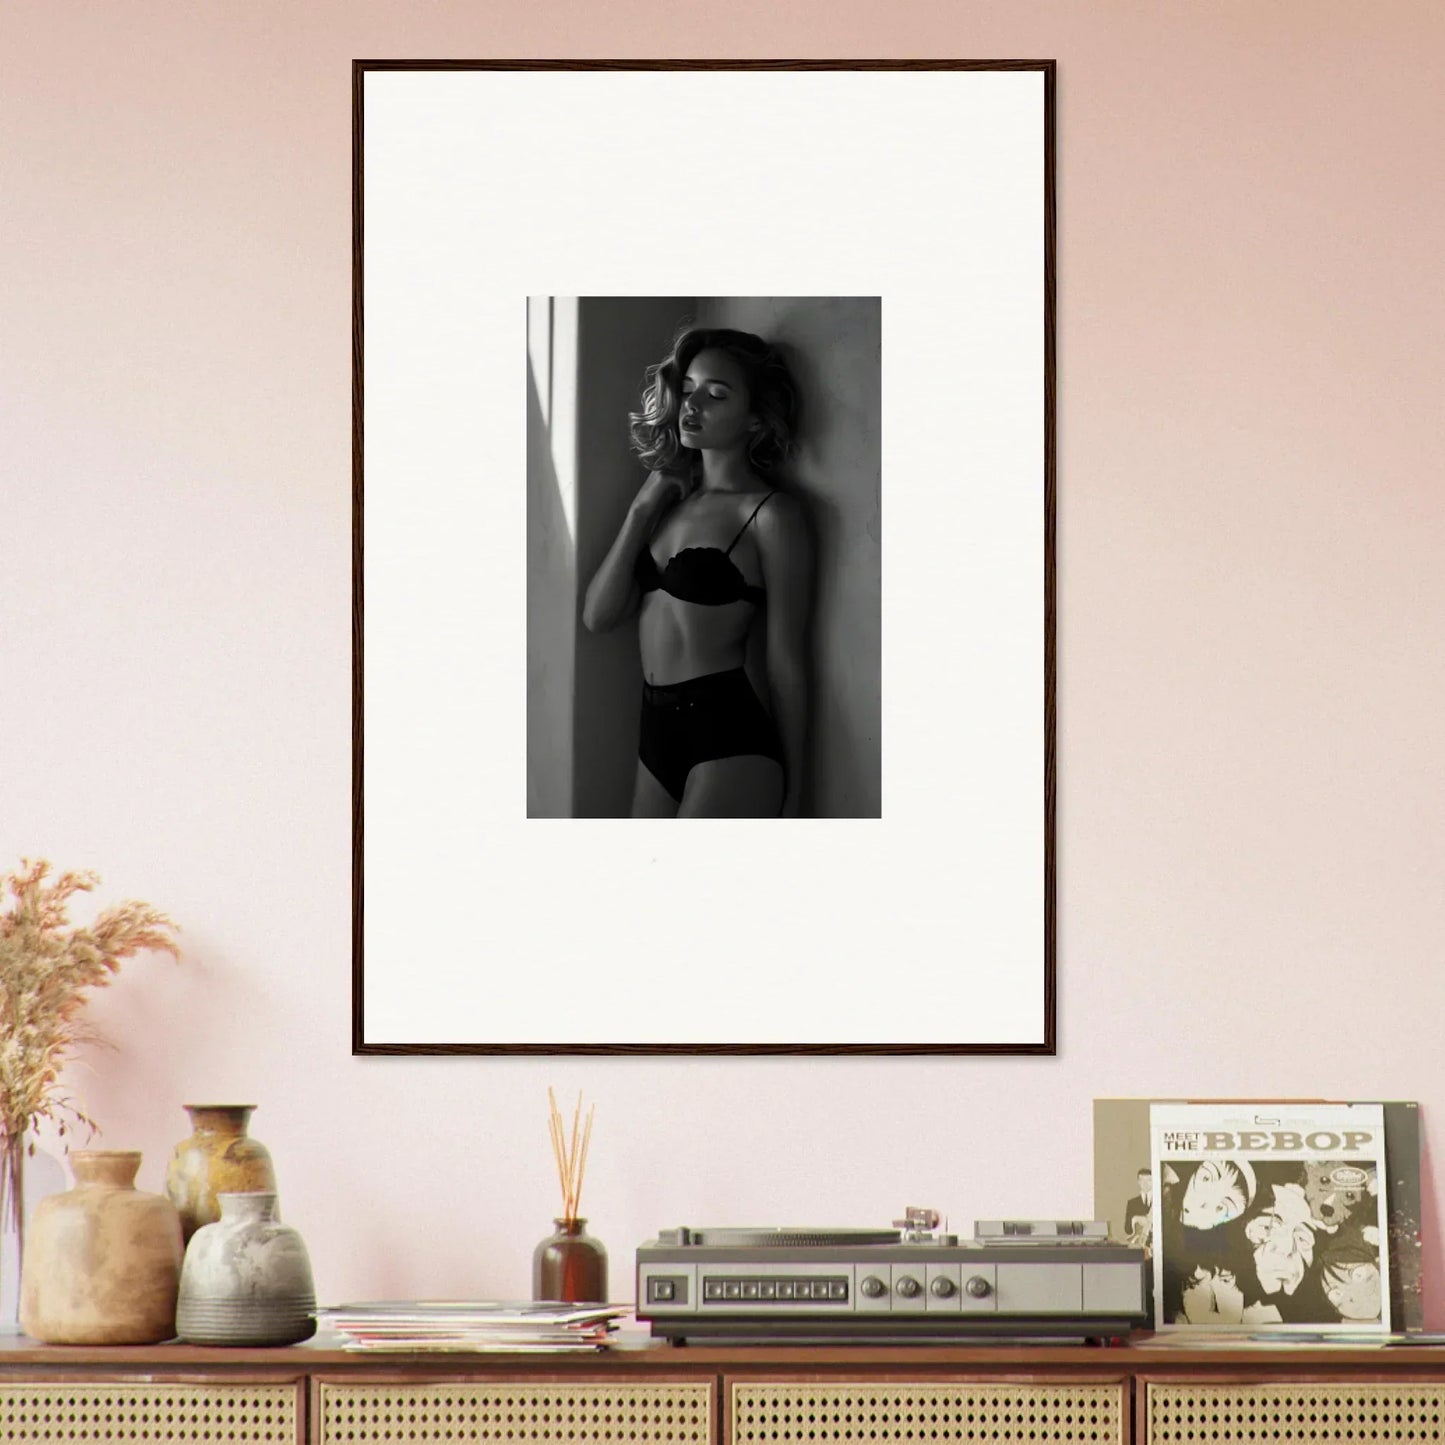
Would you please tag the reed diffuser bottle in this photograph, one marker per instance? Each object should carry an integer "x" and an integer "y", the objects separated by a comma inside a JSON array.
[{"x": 570, "y": 1265}]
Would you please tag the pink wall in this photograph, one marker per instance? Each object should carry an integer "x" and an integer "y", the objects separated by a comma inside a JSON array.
[{"x": 1250, "y": 664}]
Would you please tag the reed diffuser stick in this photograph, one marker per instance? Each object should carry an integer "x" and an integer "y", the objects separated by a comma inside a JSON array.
[
  {"x": 570, "y": 1151},
  {"x": 572, "y": 1161},
  {"x": 586, "y": 1140},
  {"x": 554, "y": 1127}
]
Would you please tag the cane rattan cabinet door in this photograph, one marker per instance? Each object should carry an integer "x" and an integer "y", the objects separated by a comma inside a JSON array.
[
  {"x": 1311, "y": 1412},
  {"x": 911, "y": 1412},
  {"x": 472, "y": 1412},
  {"x": 219, "y": 1413}
]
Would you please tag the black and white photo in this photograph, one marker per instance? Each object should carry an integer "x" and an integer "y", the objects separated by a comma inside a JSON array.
[
  {"x": 646, "y": 355},
  {"x": 704, "y": 545}
]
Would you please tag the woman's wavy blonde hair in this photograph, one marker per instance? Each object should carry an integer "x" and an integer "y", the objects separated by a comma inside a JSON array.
[{"x": 772, "y": 397}]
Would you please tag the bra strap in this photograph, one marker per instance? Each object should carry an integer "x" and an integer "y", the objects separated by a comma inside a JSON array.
[{"x": 749, "y": 522}]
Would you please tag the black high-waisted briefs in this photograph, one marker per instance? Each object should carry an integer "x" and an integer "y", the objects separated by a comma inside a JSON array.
[{"x": 705, "y": 718}]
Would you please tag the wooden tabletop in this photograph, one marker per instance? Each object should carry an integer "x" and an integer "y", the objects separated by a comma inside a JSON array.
[{"x": 636, "y": 1351}]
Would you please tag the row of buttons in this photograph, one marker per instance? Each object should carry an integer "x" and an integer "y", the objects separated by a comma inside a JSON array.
[{"x": 832, "y": 1288}]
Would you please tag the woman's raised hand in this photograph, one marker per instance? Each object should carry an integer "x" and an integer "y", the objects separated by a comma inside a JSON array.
[{"x": 660, "y": 493}]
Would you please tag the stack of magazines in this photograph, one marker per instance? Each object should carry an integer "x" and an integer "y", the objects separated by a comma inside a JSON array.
[{"x": 517, "y": 1326}]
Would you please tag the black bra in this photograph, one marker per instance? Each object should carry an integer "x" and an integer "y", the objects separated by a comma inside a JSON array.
[{"x": 707, "y": 576}]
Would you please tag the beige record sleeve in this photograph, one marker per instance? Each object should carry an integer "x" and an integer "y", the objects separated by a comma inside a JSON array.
[{"x": 1121, "y": 1150}]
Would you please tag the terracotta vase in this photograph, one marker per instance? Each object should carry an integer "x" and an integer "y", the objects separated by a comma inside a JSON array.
[
  {"x": 103, "y": 1261},
  {"x": 247, "y": 1279},
  {"x": 570, "y": 1265},
  {"x": 219, "y": 1157}
]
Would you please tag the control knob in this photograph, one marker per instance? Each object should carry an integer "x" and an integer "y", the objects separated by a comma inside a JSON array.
[
  {"x": 978, "y": 1287},
  {"x": 942, "y": 1287},
  {"x": 872, "y": 1287},
  {"x": 909, "y": 1287}
]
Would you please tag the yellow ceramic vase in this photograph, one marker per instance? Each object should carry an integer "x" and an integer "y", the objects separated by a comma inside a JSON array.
[
  {"x": 103, "y": 1261},
  {"x": 219, "y": 1158}
]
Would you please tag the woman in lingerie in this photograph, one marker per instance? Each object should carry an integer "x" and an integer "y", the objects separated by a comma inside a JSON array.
[{"x": 710, "y": 549}]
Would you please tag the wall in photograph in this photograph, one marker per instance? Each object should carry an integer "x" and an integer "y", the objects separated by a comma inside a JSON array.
[
  {"x": 834, "y": 344},
  {"x": 551, "y": 560},
  {"x": 586, "y": 363}
]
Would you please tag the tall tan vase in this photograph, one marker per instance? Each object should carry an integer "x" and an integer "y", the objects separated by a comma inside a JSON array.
[
  {"x": 220, "y": 1157},
  {"x": 102, "y": 1261}
]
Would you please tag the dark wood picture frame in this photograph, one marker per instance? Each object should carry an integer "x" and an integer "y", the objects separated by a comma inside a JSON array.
[{"x": 1041, "y": 1040}]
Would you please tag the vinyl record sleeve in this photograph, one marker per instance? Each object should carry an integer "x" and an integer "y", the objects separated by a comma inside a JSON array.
[
  {"x": 1123, "y": 1187},
  {"x": 1270, "y": 1216}
]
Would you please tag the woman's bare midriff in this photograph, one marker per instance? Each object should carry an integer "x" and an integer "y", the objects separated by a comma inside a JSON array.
[{"x": 680, "y": 640}]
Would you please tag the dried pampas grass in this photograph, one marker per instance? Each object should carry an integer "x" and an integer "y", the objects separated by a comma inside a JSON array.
[{"x": 47, "y": 970}]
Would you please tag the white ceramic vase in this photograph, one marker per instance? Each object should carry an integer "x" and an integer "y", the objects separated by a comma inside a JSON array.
[{"x": 246, "y": 1279}]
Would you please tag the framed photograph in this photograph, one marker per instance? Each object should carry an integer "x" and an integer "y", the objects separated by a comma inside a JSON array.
[{"x": 703, "y": 465}]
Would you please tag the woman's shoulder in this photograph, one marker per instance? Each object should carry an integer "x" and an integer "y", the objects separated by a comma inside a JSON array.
[
  {"x": 775, "y": 508},
  {"x": 781, "y": 527}
]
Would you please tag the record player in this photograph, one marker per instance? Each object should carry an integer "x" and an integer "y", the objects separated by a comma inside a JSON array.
[{"x": 1015, "y": 1278}]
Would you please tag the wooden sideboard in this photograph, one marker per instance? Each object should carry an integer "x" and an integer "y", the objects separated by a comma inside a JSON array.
[{"x": 652, "y": 1394}]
